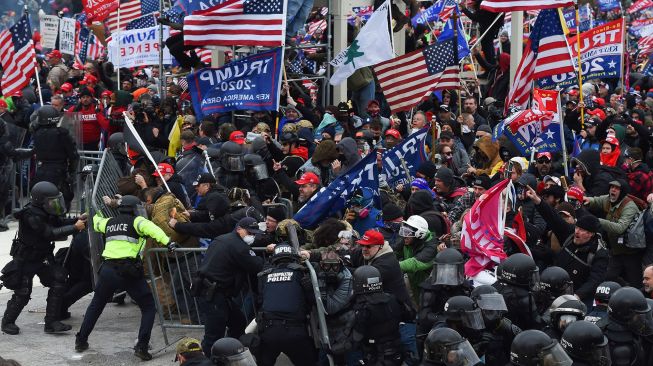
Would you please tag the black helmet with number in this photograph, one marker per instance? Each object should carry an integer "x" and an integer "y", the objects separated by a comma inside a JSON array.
[
  {"x": 231, "y": 157},
  {"x": 47, "y": 196},
  {"x": 535, "y": 348},
  {"x": 48, "y": 116},
  {"x": 464, "y": 310},
  {"x": 445, "y": 346},
  {"x": 605, "y": 290},
  {"x": 519, "y": 270},
  {"x": 585, "y": 342},
  {"x": 367, "y": 280},
  {"x": 448, "y": 268},
  {"x": 565, "y": 310},
  {"x": 284, "y": 253},
  {"x": 230, "y": 352},
  {"x": 629, "y": 307},
  {"x": 491, "y": 302},
  {"x": 131, "y": 205}
]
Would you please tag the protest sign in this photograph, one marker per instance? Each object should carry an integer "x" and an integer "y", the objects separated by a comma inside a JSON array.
[
  {"x": 412, "y": 151},
  {"x": 98, "y": 10},
  {"x": 189, "y": 6},
  {"x": 607, "y": 5},
  {"x": 67, "y": 36},
  {"x": 250, "y": 83},
  {"x": 49, "y": 26},
  {"x": 139, "y": 47}
]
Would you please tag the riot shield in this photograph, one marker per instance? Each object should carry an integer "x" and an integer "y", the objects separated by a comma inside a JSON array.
[
  {"x": 106, "y": 184},
  {"x": 15, "y": 135},
  {"x": 96, "y": 246},
  {"x": 72, "y": 122}
]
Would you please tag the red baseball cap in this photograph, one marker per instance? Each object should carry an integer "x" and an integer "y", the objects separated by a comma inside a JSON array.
[
  {"x": 165, "y": 168},
  {"x": 599, "y": 101},
  {"x": 546, "y": 154},
  {"x": 237, "y": 137},
  {"x": 573, "y": 92},
  {"x": 54, "y": 54},
  {"x": 106, "y": 93},
  {"x": 308, "y": 177},
  {"x": 90, "y": 78},
  {"x": 371, "y": 237},
  {"x": 66, "y": 87},
  {"x": 597, "y": 112},
  {"x": 394, "y": 133},
  {"x": 3, "y": 104},
  {"x": 576, "y": 193}
]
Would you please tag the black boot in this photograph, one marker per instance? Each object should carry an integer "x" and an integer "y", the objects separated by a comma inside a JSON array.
[
  {"x": 14, "y": 307},
  {"x": 56, "y": 327},
  {"x": 53, "y": 311},
  {"x": 80, "y": 345},
  {"x": 142, "y": 352},
  {"x": 9, "y": 327}
]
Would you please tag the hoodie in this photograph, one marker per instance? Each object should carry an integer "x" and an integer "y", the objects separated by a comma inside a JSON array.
[
  {"x": 491, "y": 150},
  {"x": 349, "y": 149}
]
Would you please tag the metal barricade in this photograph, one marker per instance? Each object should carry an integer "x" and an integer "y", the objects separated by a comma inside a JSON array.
[{"x": 85, "y": 158}]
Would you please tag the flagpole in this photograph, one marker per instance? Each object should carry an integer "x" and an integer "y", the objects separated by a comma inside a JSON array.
[
  {"x": 562, "y": 129},
  {"x": 455, "y": 52},
  {"x": 580, "y": 68},
  {"x": 392, "y": 43},
  {"x": 118, "y": 55},
  {"x": 161, "y": 73},
  {"x": 36, "y": 70},
  {"x": 624, "y": 45}
]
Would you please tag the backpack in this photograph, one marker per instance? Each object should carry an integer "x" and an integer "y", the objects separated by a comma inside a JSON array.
[{"x": 634, "y": 236}]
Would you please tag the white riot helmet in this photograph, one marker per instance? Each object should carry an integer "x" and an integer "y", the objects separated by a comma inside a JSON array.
[{"x": 415, "y": 227}]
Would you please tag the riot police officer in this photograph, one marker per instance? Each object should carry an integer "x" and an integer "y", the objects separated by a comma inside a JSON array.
[
  {"x": 56, "y": 153},
  {"x": 601, "y": 298},
  {"x": 554, "y": 282},
  {"x": 123, "y": 269},
  {"x": 585, "y": 344},
  {"x": 229, "y": 351},
  {"x": 116, "y": 144},
  {"x": 463, "y": 315},
  {"x": 285, "y": 298},
  {"x": 40, "y": 223},
  {"x": 629, "y": 319},
  {"x": 376, "y": 319},
  {"x": 445, "y": 347},
  {"x": 232, "y": 166},
  {"x": 8, "y": 152},
  {"x": 565, "y": 310},
  {"x": 516, "y": 278},
  {"x": 534, "y": 348}
]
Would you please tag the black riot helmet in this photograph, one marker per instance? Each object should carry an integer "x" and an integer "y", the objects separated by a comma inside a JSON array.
[
  {"x": 229, "y": 351},
  {"x": 48, "y": 116},
  {"x": 367, "y": 280},
  {"x": 555, "y": 281},
  {"x": 628, "y": 307},
  {"x": 231, "y": 157},
  {"x": 259, "y": 146},
  {"x": 491, "y": 302},
  {"x": 116, "y": 142},
  {"x": 256, "y": 167},
  {"x": 131, "y": 205},
  {"x": 535, "y": 348},
  {"x": 448, "y": 268},
  {"x": 445, "y": 346},
  {"x": 519, "y": 270},
  {"x": 565, "y": 310},
  {"x": 464, "y": 310},
  {"x": 604, "y": 291},
  {"x": 284, "y": 253},
  {"x": 584, "y": 341},
  {"x": 47, "y": 196}
]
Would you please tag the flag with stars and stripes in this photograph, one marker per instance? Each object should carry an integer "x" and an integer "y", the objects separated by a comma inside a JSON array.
[
  {"x": 147, "y": 21},
  {"x": 174, "y": 14},
  {"x": 95, "y": 49},
  {"x": 129, "y": 11},
  {"x": 237, "y": 22},
  {"x": 17, "y": 57},
  {"x": 296, "y": 65},
  {"x": 407, "y": 80},
  {"x": 81, "y": 46},
  {"x": 499, "y": 6}
]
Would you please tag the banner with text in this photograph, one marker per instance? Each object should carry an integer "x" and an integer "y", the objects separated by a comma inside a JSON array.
[
  {"x": 67, "y": 36},
  {"x": 251, "y": 83},
  {"x": 607, "y": 5},
  {"x": 139, "y": 47},
  {"x": 98, "y": 10},
  {"x": 412, "y": 151},
  {"x": 49, "y": 26},
  {"x": 601, "y": 53}
]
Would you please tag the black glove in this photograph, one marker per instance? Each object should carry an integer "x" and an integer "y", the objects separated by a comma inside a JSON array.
[{"x": 172, "y": 246}]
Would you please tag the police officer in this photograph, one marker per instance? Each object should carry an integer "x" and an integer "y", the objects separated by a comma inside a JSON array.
[
  {"x": 376, "y": 320},
  {"x": 516, "y": 278},
  {"x": 463, "y": 315},
  {"x": 585, "y": 344},
  {"x": 40, "y": 223},
  {"x": 230, "y": 352},
  {"x": 56, "y": 153},
  {"x": 116, "y": 144},
  {"x": 565, "y": 310},
  {"x": 601, "y": 299},
  {"x": 554, "y": 282},
  {"x": 285, "y": 298},
  {"x": 629, "y": 319},
  {"x": 7, "y": 152},
  {"x": 232, "y": 166},
  {"x": 221, "y": 276},
  {"x": 123, "y": 269},
  {"x": 534, "y": 348},
  {"x": 446, "y": 347}
]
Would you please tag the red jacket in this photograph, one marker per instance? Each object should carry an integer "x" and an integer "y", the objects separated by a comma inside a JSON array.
[{"x": 93, "y": 121}]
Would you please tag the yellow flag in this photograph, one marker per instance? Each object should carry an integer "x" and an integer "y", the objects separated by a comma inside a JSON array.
[{"x": 175, "y": 137}]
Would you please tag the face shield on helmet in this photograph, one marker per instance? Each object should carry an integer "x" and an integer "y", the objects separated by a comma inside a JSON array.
[
  {"x": 565, "y": 320},
  {"x": 534, "y": 283},
  {"x": 233, "y": 163},
  {"x": 259, "y": 172},
  {"x": 555, "y": 355},
  {"x": 244, "y": 358},
  {"x": 140, "y": 210},
  {"x": 460, "y": 354},
  {"x": 473, "y": 319},
  {"x": 641, "y": 323},
  {"x": 55, "y": 205},
  {"x": 492, "y": 302},
  {"x": 448, "y": 273}
]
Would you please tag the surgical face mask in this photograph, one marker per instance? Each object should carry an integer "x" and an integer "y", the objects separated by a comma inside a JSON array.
[{"x": 249, "y": 239}]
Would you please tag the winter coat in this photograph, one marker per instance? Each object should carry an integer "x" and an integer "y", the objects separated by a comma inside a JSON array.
[
  {"x": 416, "y": 260},
  {"x": 491, "y": 150},
  {"x": 161, "y": 215},
  {"x": 615, "y": 224},
  {"x": 349, "y": 149}
]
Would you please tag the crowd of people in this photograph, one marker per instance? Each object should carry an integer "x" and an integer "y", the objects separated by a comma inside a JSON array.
[{"x": 391, "y": 278}]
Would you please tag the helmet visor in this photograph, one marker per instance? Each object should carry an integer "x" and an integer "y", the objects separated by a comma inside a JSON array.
[
  {"x": 140, "y": 210},
  {"x": 406, "y": 231},
  {"x": 642, "y": 323},
  {"x": 565, "y": 320},
  {"x": 55, "y": 205},
  {"x": 234, "y": 163},
  {"x": 492, "y": 302},
  {"x": 535, "y": 280},
  {"x": 473, "y": 319},
  {"x": 244, "y": 358},
  {"x": 449, "y": 274},
  {"x": 461, "y": 354},
  {"x": 555, "y": 356},
  {"x": 260, "y": 172}
]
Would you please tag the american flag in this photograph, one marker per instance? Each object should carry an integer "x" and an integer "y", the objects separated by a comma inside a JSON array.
[
  {"x": 131, "y": 10},
  {"x": 95, "y": 48},
  {"x": 447, "y": 10},
  {"x": 296, "y": 65},
  {"x": 237, "y": 22},
  {"x": 645, "y": 45},
  {"x": 146, "y": 21},
  {"x": 406, "y": 80},
  {"x": 314, "y": 26},
  {"x": 87, "y": 47},
  {"x": 546, "y": 54},
  {"x": 17, "y": 57},
  {"x": 498, "y": 6}
]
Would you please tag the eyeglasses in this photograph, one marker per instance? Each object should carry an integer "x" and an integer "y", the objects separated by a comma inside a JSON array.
[
  {"x": 543, "y": 161},
  {"x": 478, "y": 136}
]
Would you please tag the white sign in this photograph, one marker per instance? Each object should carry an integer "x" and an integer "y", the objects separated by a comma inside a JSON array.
[
  {"x": 49, "y": 25},
  {"x": 67, "y": 36},
  {"x": 138, "y": 47}
]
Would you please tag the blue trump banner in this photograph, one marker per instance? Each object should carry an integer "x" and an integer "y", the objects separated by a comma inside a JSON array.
[
  {"x": 250, "y": 83},
  {"x": 607, "y": 5},
  {"x": 601, "y": 53},
  {"x": 189, "y": 6},
  {"x": 528, "y": 129},
  {"x": 429, "y": 15},
  {"x": 447, "y": 33},
  {"x": 333, "y": 199},
  {"x": 412, "y": 151}
]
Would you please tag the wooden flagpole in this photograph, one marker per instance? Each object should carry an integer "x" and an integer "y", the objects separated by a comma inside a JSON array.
[{"x": 580, "y": 69}]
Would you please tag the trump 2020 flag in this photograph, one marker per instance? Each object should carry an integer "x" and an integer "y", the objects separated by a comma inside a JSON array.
[
  {"x": 333, "y": 199},
  {"x": 525, "y": 128},
  {"x": 412, "y": 151},
  {"x": 251, "y": 83},
  {"x": 371, "y": 46},
  {"x": 483, "y": 229},
  {"x": 551, "y": 139}
]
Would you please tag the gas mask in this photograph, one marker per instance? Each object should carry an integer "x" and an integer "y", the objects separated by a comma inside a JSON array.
[{"x": 330, "y": 269}]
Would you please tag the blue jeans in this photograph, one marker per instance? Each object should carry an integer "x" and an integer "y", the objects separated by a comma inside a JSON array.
[
  {"x": 362, "y": 97},
  {"x": 296, "y": 16},
  {"x": 407, "y": 332}
]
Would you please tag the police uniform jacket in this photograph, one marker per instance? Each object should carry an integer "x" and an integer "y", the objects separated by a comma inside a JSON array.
[
  {"x": 126, "y": 235},
  {"x": 282, "y": 295},
  {"x": 37, "y": 231},
  {"x": 55, "y": 145}
]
